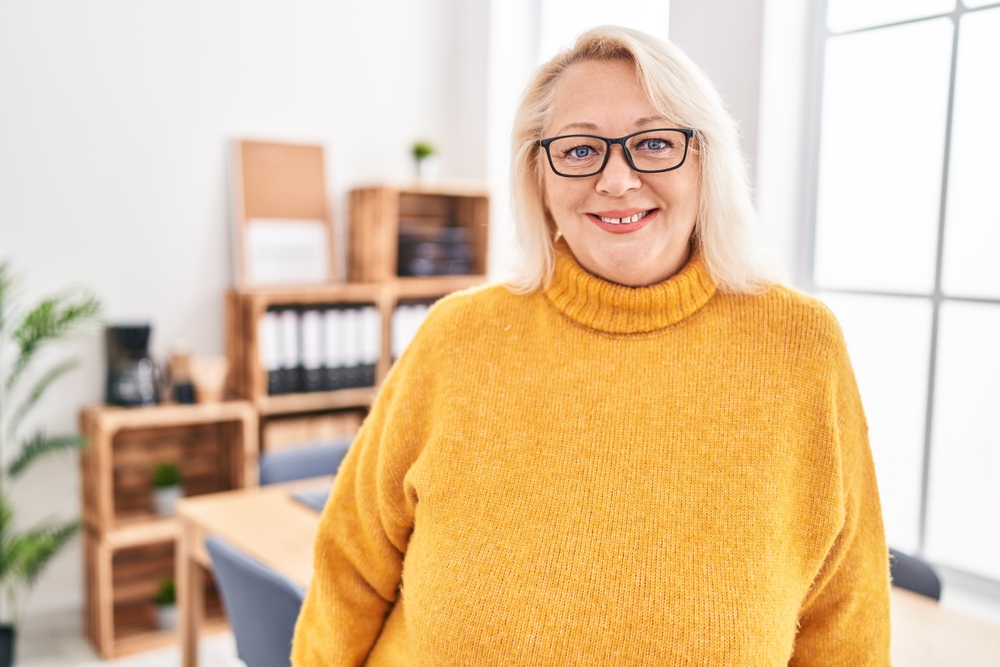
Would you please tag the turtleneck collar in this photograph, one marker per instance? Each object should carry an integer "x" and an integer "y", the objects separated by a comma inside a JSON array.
[{"x": 612, "y": 308}]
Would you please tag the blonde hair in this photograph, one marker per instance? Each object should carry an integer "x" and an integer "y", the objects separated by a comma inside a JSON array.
[{"x": 677, "y": 88}]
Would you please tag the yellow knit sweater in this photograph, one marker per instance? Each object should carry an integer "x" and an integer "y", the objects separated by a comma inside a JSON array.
[{"x": 603, "y": 475}]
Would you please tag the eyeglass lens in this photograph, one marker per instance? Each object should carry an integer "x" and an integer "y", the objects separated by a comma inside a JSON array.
[{"x": 580, "y": 155}]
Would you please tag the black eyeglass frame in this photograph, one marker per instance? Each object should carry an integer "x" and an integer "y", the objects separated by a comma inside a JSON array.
[{"x": 688, "y": 134}]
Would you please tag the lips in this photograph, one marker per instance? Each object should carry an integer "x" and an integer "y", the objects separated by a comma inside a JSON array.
[{"x": 623, "y": 221}]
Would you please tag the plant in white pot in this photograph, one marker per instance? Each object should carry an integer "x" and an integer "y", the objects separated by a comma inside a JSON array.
[
  {"x": 427, "y": 160},
  {"x": 26, "y": 338},
  {"x": 166, "y": 487},
  {"x": 166, "y": 605}
]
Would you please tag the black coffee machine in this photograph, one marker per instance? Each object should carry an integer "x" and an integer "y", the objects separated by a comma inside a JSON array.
[{"x": 131, "y": 374}]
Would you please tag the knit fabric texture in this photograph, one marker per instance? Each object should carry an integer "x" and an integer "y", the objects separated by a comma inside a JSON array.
[{"x": 602, "y": 475}]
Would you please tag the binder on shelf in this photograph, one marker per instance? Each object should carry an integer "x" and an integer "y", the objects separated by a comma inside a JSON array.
[
  {"x": 312, "y": 350},
  {"x": 320, "y": 348},
  {"x": 269, "y": 349},
  {"x": 291, "y": 377}
]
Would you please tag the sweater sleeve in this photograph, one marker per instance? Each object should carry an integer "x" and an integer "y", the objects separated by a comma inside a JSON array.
[
  {"x": 845, "y": 617},
  {"x": 365, "y": 528}
]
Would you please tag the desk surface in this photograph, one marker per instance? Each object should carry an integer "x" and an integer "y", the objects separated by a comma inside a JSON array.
[
  {"x": 278, "y": 530},
  {"x": 265, "y": 522}
]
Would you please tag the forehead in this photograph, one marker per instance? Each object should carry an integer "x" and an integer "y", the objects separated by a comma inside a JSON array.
[{"x": 600, "y": 96}]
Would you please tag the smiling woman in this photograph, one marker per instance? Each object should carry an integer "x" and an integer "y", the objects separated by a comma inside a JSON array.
[{"x": 645, "y": 452}]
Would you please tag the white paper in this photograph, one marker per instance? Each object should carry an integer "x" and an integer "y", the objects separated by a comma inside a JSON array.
[{"x": 287, "y": 252}]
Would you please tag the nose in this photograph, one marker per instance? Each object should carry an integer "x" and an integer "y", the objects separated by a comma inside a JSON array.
[{"x": 618, "y": 176}]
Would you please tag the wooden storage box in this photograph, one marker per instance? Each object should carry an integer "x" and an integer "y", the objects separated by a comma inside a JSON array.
[
  {"x": 123, "y": 573},
  {"x": 378, "y": 214},
  {"x": 215, "y": 446}
]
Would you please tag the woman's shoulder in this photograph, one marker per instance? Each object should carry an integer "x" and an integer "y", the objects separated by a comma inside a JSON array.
[
  {"x": 787, "y": 314},
  {"x": 479, "y": 305}
]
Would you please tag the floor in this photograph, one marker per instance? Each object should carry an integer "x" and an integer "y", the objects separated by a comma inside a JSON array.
[{"x": 56, "y": 640}]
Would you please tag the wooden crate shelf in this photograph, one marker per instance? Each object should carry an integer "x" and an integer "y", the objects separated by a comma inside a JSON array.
[
  {"x": 121, "y": 585},
  {"x": 215, "y": 446},
  {"x": 378, "y": 213},
  {"x": 128, "y": 549}
]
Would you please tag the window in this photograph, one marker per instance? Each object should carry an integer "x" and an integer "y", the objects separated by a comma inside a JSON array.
[{"x": 907, "y": 254}]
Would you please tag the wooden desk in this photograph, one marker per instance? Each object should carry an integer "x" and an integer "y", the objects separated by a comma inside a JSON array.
[
  {"x": 263, "y": 521},
  {"x": 279, "y": 531}
]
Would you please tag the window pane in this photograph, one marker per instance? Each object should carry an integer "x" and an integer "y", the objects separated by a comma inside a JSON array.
[
  {"x": 972, "y": 230},
  {"x": 885, "y": 100},
  {"x": 963, "y": 518},
  {"x": 844, "y": 15},
  {"x": 888, "y": 339}
]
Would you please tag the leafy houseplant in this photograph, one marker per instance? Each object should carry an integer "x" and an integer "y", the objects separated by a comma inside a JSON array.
[
  {"x": 166, "y": 487},
  {"x": 166, "y": 605},
  {"x": 24, "y": 553},
  {"x": 426, "y": 158}
]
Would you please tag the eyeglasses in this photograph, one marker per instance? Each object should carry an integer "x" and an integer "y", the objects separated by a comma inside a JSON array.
[{"x": 648, "y": 152}]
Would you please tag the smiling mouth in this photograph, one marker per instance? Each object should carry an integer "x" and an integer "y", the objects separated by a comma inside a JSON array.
[{"x": 625, "y": 221}]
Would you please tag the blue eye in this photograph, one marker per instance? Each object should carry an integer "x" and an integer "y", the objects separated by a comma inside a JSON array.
[
  {"x": 655, "y": 144},
  {"x": 579, "y": 153}
]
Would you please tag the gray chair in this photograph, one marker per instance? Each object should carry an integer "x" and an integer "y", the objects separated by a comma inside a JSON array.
[
  {"x": 303, "y": 462},
  {"x": 261, "y": 605},
  {"x": 914, "y": 575}
]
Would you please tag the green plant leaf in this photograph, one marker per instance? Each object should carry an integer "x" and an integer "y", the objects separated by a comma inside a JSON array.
[
  {"x": 6, "y": 285},
  {"x": 31, "y": 551},
  {"x": 36, "y": 392},
  {"x": 52, "y": 319},
  {"x": 6, "y": 525},
  {"x": 38, "y": 445},
  {"x": 166, "y": 474},
  {"x": 167, "y": 592}
]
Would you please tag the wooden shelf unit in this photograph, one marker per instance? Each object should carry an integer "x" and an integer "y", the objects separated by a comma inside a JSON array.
[
  {"x": 128, "y": 549},
  {"x": 245, "y": 307},
  {"x": 378, "y": 213}
]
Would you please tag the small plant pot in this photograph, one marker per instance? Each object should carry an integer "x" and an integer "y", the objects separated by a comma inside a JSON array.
[
  {"x": 428, "y": 168},
  {"x": 164, "y": 498},
  {"x": 8, "y": 633},
  {"x": 166, "y": 616}
]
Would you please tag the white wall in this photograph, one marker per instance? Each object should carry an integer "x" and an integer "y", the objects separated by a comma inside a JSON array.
[{"x": 115, "y": 123}]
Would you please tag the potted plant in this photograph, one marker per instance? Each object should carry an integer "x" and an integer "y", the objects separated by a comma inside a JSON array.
[
  {"x": 427, "y": 161},
  {"x": 166, "y": 487},
  {"x": 166, "y": 605},
  {"x": 24, "y": 333}
]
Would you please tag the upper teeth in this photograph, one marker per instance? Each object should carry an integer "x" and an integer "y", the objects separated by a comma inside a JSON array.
[{"x": 618, "y": 221}]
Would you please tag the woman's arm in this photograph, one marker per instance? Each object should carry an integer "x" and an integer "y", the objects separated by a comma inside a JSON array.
[
  {"x": 366, "y": 525},
  {"x": 845, "y": 618}
]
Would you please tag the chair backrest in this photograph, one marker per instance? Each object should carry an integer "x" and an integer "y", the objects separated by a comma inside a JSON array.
[
  {"x": 261, "y": 605},
  {"x": 913, "y": 575},
  {"x": 303, "y": 462}
]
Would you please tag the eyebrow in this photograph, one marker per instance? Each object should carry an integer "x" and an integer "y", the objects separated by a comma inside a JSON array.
[{"x": 593, "y": 128}]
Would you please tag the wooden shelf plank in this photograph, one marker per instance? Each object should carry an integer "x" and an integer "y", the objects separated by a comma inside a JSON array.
[
  {"x": 143, "y": 531},
  {"x": 112, "y": 418},
  {"x": 360, "y": 397},
  {"x": 148, "y": 640}
]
